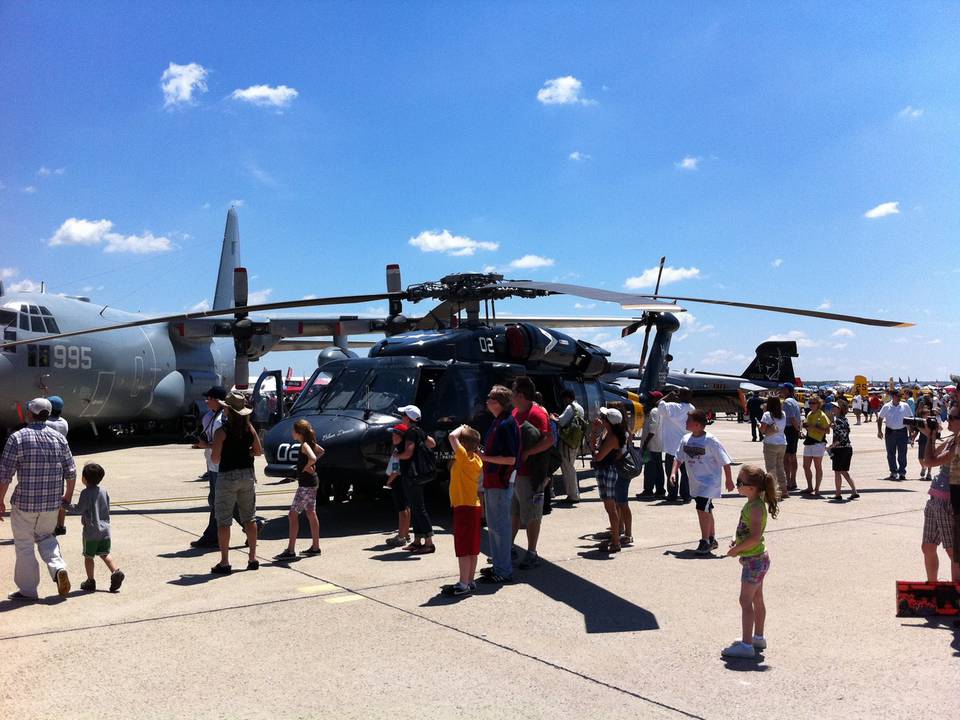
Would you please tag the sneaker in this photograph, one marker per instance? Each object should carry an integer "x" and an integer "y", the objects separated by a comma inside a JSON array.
[
  {"x": 493, "y": 579},
  {"x": 530, "y": 560},
  {"x": 60, "y": 530},
  {"x": 903, "y": 476},
  {"x": 219, "y": 569},
  {"x": 116, "y": 580},
  {"x": 397, "y": 541},
  {"x": 486, "y": 571},
  {"x": 253, "y": 565},
  {"x": 854, "y": 496},
  {"x": 703, "y": 548},
  {"x": 20, "y": 597},
  {"x": 759, "y": 642},
  {"x": 893, "y": 476},
  {"x": 88, "y": 585},
  {"x": 739, "y": 649},
  {"x": 285, "y": 556},
  {"x": 311, "y": 552},
  {"x": 63, "y": 582},
  {"x": 457, "y": 590},
  {"x": 714, "y": 544}
]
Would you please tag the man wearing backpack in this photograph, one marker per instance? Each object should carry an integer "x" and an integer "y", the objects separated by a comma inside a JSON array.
[
  {"x": 573, "y": 424},
  {"x": 532, "y": 478},
  {"x": 414, "y": 475}
]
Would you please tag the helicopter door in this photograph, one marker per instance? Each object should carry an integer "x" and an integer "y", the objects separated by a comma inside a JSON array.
[{"x": 267, "y": 399}]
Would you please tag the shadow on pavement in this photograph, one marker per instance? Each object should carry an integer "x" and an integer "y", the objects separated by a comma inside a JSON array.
[
  {"x": 689, "y": 554},
  {"x": 937, "y": 623},
  {"x": 754, "y": 664}
]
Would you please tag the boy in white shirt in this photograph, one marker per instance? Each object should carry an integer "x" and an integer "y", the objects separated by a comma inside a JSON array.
[{"x": 703, "y": 456}]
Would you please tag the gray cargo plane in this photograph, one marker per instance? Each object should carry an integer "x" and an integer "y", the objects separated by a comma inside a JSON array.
[{"x": 154, "y": 369}]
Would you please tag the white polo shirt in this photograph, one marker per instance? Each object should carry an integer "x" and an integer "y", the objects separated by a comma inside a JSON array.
[{"x": 893, "y": 415}]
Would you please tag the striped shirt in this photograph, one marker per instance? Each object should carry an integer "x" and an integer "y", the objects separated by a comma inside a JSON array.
[{"x": 41, "y": 459}]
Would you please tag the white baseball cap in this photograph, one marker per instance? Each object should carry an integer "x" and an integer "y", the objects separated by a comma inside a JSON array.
[
  {"x": 39, "y": 405},
  {"x": 411, "y": 411},
  {"x": 613, "y": 416}
]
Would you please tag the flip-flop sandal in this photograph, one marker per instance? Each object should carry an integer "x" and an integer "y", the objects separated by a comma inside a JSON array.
[{"x": 606, "y": 547}]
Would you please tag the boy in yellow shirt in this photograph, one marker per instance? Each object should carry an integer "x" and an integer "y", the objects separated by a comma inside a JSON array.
[{"x": 465, "y": 475}]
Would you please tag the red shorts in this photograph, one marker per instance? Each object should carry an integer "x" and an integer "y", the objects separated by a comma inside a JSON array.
[{"x": 466, "y": 530}]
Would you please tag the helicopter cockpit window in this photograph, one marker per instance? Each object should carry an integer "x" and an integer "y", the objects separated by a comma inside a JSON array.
[
  {"x": 386, "y": 390},
  {"x": 342, "y": 389}
]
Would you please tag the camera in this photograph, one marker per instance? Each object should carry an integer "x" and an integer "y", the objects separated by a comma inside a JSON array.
[{"x": 915, "y": 422}]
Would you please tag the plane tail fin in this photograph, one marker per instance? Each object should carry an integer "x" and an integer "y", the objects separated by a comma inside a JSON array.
[
  {"x": 229, "y": 260},
  {"x": 773, "y": 362}
]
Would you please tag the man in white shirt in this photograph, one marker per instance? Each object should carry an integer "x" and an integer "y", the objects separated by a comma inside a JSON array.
[
  {"x": 569, "y": 447},
  {"x": 651, "y": 444},
  {"x": 893, "y": 414},
  {"x": 674, "y": 408}
]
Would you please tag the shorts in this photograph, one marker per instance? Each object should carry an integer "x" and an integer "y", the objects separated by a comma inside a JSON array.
[
  {"x": 938, "y": 523},
  {"x": 841, "y": 459},
  {"x": 522, "y": 505},
  {"x": 466, "y": 530},
  {"x": 812, "y": 448},
  {"x": 704, "y": 504},
  {"x": 305, "y": 499},
  {"x": 754, "y": 568},
  {"x": 621, "y": 490},
  {"x": 793, "y": 437},
  {"x": 235, "y": 487},
  {"x": 92, "y": 548},
  {"x": 400, "y": 502},
  {"x": 607, "y": 479}
]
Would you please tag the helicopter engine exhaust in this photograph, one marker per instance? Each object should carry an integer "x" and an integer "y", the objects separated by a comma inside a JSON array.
[{"x": 532, "y": 344}]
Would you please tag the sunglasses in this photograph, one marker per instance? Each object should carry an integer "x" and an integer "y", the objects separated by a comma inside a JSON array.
[{"x": 741, "y": 483}]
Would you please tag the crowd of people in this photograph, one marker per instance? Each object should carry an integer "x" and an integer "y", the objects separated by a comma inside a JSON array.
[{"x": 504, "y": 478}]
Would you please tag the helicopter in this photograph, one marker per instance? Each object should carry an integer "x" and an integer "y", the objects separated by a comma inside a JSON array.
[{"x": 446, "y": 359}]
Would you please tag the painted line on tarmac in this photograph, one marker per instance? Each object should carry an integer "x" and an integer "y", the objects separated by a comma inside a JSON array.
[
  {"x": 319, "y": 589},
  {"x": 352, "y": 597}
]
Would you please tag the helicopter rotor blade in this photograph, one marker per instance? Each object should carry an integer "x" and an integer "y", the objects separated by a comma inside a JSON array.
[
  {"x": 876, "y": 322},
  {"x": 650, "y": 319},
  {"x": 634, "y": 301},
  {"x": 240, "y": 288},
  {"x": 241, "y": 372}
]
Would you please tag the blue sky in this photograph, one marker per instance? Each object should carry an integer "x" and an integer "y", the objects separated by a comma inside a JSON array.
[{"x": 747, "y": 142}]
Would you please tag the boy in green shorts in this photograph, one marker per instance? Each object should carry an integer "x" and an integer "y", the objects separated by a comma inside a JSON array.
[{"x": 94, "y": 509}]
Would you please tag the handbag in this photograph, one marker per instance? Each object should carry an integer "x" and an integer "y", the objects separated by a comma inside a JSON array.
[{"x": 629, "y": 463}]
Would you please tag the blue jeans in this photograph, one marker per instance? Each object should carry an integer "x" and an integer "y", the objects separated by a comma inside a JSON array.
[
  {"x": 496, "y": 504},
  {"x": 896, "y": 441}
]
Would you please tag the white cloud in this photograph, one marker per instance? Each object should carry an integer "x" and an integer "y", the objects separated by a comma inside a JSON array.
[
  {"x": 2, "y": 186},
  {"x": 777, "y": 262},
  {"x": 563, "y": 91},
  {"x": 180, "y": 82},
  {"x": 799, "y": 336},
  {"x": 75, "y": 231},
  {"x": 487, "y": 269},
  {"x": 259, "y": 296},
  {"x": 44, "y": 171},
  {"x": 716, "y": 358},
  {"x": 261, "y": 175},
  {"x": 266, "y": 96},
  {"x": 688, "y": 163},
  {"x": 838, "y": 346},
  {"x": 648, "y": 278},
  {"x": 7, "y": 273},
  {"x": 690, "y": 325},
  {"x": 825, "y": 305},
  {"x": 237, "y": 203},
  {"x": 935, "y": 341},
  {"x": 531, "y": 262},
  {"x": 910, "y": 112},
  {"x": 882, "y": 210},
  {"x": 24, "y": 285},
  {"x": 446, "y": 242},
  {"x": 30, "y": 189},
  {"x": 584, "y": 306},
  {"x": 137, "y": 244},
  {"x": 843, "y": 332},
  {"x": 205, "y": 206},
  {"x": 200, "y": 306},
  {"x": 578, "y": 156}
]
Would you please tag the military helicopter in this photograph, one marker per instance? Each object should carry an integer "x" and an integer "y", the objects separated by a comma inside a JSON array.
[{"x": 445, "y": 360}]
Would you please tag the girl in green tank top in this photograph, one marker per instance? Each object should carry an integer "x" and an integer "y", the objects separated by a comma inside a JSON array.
[{"x": 760, "y": 490}]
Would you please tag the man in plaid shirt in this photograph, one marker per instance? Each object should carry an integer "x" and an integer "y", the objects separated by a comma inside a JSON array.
[{"x": 42, "y": 461}]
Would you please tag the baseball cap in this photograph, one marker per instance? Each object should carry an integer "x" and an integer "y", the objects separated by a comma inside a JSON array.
[
  {"x": 39, "y": 405},
  {"x": 411, "y": 411},
  {"x": 895, "y": 391},
  {"x": 217, "y": 392},
  {"x": 613, "y": 416},
  {"x": 399, "y": 429},
  {"x": 786, "y": 386},
  {"x": 656, "y": 394},
  {"x": 56, "y": 402}
]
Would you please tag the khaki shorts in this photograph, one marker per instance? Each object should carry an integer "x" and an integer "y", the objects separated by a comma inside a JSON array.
[
  {"x": 522, "y": 505},
  {"x": 235, "y": 487}
]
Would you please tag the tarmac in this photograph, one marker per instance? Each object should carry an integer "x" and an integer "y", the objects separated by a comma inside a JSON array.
[{"x": 361, "y": 631}]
